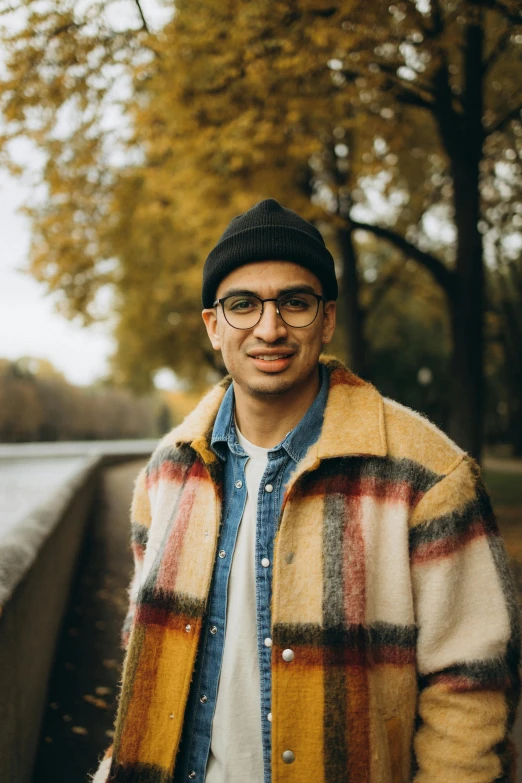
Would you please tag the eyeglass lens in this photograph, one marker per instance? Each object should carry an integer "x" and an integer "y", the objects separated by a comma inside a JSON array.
[{"x": 244, "y": 311}]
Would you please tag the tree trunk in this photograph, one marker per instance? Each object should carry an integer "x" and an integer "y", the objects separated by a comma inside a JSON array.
[
  {"x": 511, "y": 309},
  {"x": 516, "y": 427},
  {"x": 354, "y": 315},
  {"x": 467, "y": 302}
]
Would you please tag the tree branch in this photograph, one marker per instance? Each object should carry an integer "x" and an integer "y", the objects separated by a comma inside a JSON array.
[
  {"x": 495, "y": 5},
  {"x": 416, "y": 87},
  {"x": 514, "y": 114},
  {"x": 442, "y": 275},
  {"x": 437, "y": 20},
  {"x": 143, "y": 20},
  {"x": 412, "y": 99},
  {"x": 497, "y": 50}
]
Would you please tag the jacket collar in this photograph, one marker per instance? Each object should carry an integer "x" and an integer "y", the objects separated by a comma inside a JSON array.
[{"x": 353, "y": 420}]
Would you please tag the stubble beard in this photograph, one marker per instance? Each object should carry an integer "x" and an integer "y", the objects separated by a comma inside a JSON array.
[{"x": 260, "y": 392}]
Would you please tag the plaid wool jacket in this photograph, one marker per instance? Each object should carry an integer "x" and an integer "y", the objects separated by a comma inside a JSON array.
[{"x": 390, "y": 584}]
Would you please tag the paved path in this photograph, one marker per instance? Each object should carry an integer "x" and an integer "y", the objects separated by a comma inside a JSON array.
[
  {"x": 503, "y": 465},
  {"x": 81, "y": 703}
]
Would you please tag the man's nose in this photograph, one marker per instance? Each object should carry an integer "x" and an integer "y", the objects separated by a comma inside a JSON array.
[{"x": 271, "y": 327}]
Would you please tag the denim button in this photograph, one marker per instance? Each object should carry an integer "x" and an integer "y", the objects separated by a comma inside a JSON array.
[
  {"x": 268, "y": 642},
  {"x": 269, "y": 488},
  {"x": 213, "y": 629},
  {"x": 238, "y": 484},
  {"x": 192, "y": 775},
  {"x": 269, "y": 717},
  {"x": 265, "y": 562},
  {"x": 222, "y": 553},
  {"x": 204, "y": 699}
]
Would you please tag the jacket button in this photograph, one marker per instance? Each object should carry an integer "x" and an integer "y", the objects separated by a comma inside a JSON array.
[
  {"x": 269, "y": 717},
  {"x": 269, "y": 488},
  {"x": 204, "y": 699},
  {"x": 288, "y": 756},
  {"x": 192, "y": 775},
  {"x": 222, "y": 553},
  {"x": 265, "y": 562},
  {"x": 213, "y": 629},
  {"x": 187, "y": 628},
  {"x": 268, "y": 642},
  {"x": 238, "y": 484},
  {"x": 288, "y": 655}
]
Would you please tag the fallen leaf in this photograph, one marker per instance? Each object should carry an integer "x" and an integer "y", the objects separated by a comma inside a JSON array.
[{"x": 100, "y": 703}]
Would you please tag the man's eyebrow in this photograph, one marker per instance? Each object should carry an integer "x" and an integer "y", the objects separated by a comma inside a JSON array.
[{"x": 292, "y": 289}]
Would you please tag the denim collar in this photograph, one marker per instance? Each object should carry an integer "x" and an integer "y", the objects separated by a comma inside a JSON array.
[{"x": 297, "y": 441}]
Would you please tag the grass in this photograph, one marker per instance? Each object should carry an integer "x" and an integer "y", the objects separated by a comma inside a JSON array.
[
  {"x": 506, "y": 493},
  {"x": 505, "y": 488}
]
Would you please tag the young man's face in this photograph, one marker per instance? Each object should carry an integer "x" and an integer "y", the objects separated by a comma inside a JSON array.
[{"x": 243, "y": 350}]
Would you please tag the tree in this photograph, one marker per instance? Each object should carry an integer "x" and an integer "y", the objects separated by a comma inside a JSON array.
[
  {"x": 319, "y": 104},
  {"x": 444, "y": 69},
  {"x": 38, "y": 404}
]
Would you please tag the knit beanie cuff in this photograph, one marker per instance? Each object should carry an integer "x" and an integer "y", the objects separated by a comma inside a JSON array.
[{"x": 281, "y": 236}]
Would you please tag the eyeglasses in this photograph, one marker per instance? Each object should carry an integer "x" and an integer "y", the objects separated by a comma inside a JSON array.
[{"x": 296, "y": 309}]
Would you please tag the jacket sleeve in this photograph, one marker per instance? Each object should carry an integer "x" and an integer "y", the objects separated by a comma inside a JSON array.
[
  {"x": 140, "y": 525},
  {"x": 468, "y": 643}
]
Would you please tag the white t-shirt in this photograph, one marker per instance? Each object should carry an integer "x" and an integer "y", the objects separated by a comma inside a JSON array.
[{"x": 236, "y": 751}]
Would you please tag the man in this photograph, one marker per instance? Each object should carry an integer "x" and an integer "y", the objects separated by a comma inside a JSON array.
[{"x": 321, "y": 594}]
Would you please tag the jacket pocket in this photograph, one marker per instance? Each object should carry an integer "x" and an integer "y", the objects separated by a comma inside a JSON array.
[{"x": 393, "y": 732}]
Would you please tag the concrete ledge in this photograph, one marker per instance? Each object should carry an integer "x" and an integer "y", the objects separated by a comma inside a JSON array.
[
  {"x": 38, "y": 556},
  {"x": 89, "y": 448},
  {"x": 21, "y": 543}
]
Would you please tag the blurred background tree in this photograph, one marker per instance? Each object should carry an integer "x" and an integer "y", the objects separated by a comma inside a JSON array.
[
  {"x": 396, "y": 127},
  {"x": 38, "y": 404}
]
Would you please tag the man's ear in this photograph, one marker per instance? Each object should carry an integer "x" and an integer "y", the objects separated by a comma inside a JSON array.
[
  {"x": 210, "y": 318},
  {"x": 329, "y": 321}
]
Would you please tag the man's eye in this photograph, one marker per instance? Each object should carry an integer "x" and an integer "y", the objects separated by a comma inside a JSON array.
[
  {"x": 242, "y": 304},
  {"x": 296, "y": 304}
]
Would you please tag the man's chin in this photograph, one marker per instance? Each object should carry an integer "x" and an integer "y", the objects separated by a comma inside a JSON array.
[{"x": 269, "y": 386}]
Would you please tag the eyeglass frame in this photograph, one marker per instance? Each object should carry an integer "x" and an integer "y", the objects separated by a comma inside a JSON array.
[{"x": 318, "y": 297}]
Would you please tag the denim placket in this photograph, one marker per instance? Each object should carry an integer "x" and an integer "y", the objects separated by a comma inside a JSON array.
[
  {"x": 268, "y": 505},
  {"x": 282, "y": 460},
  {"x": 198, "y": 728}
]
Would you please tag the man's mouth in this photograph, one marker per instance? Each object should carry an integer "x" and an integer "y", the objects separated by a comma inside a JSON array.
[
  {"x": 271, "y": 362},
  {"x": 271, "y": 357}
]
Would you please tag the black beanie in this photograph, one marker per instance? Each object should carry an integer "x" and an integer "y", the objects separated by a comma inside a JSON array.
[{"x": 268, "y": 232}]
